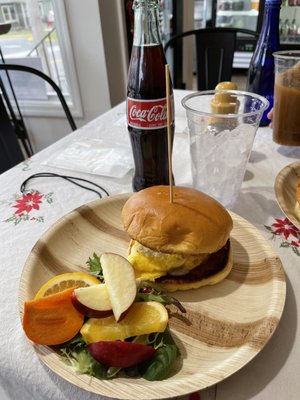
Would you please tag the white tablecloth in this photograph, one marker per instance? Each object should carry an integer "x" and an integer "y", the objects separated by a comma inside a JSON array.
[{"x": 273, "y": 374}]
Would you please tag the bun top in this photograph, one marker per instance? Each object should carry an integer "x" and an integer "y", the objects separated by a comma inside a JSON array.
[{"x": 194, "y": 223}]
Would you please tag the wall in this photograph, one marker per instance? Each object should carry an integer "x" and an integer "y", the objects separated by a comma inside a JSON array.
[
  {"x": 112, "y": 15},
  {"x": 188, "y": 24},
  {"x": 101, "y": 72}
]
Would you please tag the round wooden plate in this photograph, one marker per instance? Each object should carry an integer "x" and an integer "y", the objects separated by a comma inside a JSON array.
[
  {"x": 285, "y": 190},
  {"x": 226, "y": 325}
]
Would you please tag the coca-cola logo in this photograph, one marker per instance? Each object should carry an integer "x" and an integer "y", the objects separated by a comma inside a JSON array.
[
  {"x": 147, "y": 114},
  {"x": 154, "y": 114}
]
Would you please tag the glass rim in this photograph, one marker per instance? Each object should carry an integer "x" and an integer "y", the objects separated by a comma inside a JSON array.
[
  {"x": 287, "y": 54},
  {"x": 264, "y": 101}
]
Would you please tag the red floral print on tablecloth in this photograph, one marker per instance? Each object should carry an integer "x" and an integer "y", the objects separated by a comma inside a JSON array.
[
  {"x": 28, "y": 202},
  {"x": 287, "y": 232},
  {"x": 27, "y": 205}
]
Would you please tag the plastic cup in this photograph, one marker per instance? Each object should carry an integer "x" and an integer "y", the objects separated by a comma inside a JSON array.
[
  {"x": 222, "y": 127},
  {"x": 286, "y": 112}
]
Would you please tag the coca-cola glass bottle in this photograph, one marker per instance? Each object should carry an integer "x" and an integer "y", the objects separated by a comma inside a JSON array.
[{"x": 146, "y": 99}]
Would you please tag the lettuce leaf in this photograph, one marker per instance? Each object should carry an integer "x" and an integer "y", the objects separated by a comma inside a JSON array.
[{"x": 159, "y": 367}]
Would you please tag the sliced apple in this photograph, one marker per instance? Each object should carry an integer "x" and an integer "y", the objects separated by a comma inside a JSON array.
[
  {"x": 92, "y": 301},
  {"x": 120, "y": 281}
]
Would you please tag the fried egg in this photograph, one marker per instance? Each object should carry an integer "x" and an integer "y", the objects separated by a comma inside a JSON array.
[{"x": 150, "y": 265}]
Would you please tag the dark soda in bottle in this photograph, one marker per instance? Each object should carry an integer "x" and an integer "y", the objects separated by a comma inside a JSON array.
[{"x": 146, "y": 99}]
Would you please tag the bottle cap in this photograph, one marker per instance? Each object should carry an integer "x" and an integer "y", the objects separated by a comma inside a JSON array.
[{"x": 273, "y": 2}]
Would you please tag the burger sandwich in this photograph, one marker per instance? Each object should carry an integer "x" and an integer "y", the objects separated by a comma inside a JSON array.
[{"x": 180, "y": 245}]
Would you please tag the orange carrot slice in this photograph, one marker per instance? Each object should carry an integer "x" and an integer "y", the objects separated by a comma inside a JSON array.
[{"x": 53, "y": 319}]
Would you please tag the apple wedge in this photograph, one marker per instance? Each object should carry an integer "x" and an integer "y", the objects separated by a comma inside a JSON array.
[
  {"x": 120, "y": 281},
  {"x": 92, "y": 301}
]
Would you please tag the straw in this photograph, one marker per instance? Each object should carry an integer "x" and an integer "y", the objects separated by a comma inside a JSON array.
[{"x": 169, "y": 130}]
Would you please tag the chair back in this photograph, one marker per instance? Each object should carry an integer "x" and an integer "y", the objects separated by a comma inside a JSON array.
[
  {"x": 13, "y": 125},
  {"x": 10, "y": 150},
  {"x": 34, "y": 71},
  {"x": 214, "y": 48}
]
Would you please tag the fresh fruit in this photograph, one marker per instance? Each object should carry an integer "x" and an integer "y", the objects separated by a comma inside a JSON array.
[
  {"x": 120, "y": 354},
  {"x": 52, "y": 319},
  {"x": 120, "y": 281},
  {"x": 142, "y": 318},
  {"x": 65, "y": 281},
  {"x": 92, "y": 301}
]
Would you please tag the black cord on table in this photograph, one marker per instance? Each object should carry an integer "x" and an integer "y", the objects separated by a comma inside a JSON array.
[{"x": 72, "y": 179}]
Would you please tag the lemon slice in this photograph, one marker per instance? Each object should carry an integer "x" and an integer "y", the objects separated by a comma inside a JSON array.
[
  {"x": 65, "y": 281},
  {"x": 142, "y": 318}
]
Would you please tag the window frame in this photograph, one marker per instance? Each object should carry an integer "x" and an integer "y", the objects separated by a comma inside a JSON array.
[
  {"x": 52, "y": 108},
  {"x": 9, "y": 7}
]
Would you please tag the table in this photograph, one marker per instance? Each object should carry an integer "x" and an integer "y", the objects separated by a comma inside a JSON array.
[{"x": 273, "y": 374}]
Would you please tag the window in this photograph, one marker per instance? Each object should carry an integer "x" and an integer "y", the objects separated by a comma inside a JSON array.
[
  {"x": 39, "y": 38},
  {"x": 9, "y": 13}
]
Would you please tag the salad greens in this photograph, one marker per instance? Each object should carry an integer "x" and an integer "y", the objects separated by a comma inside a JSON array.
[
  {"x": 148, "y": 292},
  {"x": 76, "y": 354},
  {"x": 159, "y": 366},
  {"x": 95, "y": 268}
]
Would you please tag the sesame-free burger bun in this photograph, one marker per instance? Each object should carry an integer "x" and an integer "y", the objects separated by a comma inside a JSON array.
[{"x": 192, "y": 224}]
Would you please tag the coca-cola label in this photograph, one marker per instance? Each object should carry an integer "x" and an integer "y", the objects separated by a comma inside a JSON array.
[{"x": 147, "y": 114}]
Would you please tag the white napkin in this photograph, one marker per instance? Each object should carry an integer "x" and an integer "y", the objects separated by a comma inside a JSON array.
[{"x": 95, "y": 156}]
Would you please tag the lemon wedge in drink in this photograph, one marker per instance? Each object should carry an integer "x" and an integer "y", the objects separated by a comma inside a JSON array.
[{"x": 142, "y": 318}]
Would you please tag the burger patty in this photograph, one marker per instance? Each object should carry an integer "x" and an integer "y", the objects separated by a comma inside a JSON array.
[{"x": 210, "y": 266}]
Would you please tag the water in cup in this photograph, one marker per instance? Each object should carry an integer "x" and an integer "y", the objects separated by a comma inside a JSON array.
[
  {"x": 220, "y": 169},
  {"x": 222, "y": 127}
]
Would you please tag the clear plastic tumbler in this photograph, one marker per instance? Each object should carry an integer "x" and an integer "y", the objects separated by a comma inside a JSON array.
[
  {"x": 286, "y": 115},
  {"x": 222, "y": 127}
]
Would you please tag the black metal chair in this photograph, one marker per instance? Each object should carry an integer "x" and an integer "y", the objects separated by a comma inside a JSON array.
[
  {"x": 12, "y": 127},
  {"x": 214, "y": 48}
]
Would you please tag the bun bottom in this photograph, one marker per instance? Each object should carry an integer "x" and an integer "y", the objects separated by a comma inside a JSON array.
[{"x": 211, "y": 280}]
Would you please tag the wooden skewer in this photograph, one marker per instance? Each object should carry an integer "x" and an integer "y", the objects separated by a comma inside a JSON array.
[{"x": 169, "y": 130}]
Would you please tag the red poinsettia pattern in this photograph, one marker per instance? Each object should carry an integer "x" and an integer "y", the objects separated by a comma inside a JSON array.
[
  {"x": 28, "y": 202},
  {"x": 286, "y": 230},
  {"x": 27, "y": 205}
]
